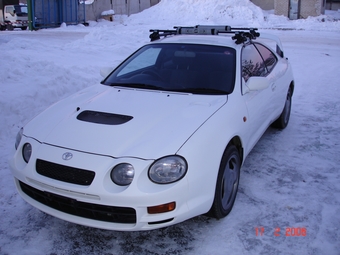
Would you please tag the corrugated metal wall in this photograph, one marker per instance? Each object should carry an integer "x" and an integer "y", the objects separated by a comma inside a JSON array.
[
  {"x": 52, "y": 13},
  {"x": 126, "y": 7}
]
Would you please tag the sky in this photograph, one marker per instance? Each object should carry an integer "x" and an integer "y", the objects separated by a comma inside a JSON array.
[{"x": 289, "y": 181}]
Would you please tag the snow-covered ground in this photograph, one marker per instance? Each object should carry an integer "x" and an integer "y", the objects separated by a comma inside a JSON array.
[{"x": 290, "y": 179}]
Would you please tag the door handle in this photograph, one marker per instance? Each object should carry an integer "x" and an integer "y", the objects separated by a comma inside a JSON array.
[{"x": 273, "y": 86}]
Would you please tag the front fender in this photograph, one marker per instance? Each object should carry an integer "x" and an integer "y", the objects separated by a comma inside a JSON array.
[{"x": 204, "y": 151}]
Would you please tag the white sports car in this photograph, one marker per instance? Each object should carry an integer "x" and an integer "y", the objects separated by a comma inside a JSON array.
[{"x": 163, "y": 137}]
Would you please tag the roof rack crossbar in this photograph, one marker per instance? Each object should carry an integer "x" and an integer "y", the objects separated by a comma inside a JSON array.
[
  {"x": 203, "y": 30},
  {"x": 241, "y": 34},
  {"x": 158, "y": 33}
]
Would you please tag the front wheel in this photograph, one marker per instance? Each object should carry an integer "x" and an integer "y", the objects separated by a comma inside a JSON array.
[
  {"x": 227, "y": 183},
  {"x": 10, "y": 27},
  {"x": 283, "y": 120}
]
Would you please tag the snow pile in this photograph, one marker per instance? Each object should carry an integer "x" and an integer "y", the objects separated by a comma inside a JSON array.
[
  {"x": 194, "y": 12},
  {"x": 108, "y": 12},
  {"x": 86, "y": 1},
  {"x": 132, "y": 32},
  {"x": 229, "y": 12}
]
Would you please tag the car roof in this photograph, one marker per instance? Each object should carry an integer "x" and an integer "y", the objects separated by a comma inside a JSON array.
[
  {"x": 219, "y": 35},
  {"x": 221, "y": 40}
]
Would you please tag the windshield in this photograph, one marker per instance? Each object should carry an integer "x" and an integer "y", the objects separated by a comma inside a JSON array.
[
  {"x": 21, "y": 10},
  {"x": 200, "y": 69}
]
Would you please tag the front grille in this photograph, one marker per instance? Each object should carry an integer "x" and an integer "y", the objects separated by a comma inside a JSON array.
[
  {"x": 64, "y": 173},
  {"x": 81, "y": 209}
]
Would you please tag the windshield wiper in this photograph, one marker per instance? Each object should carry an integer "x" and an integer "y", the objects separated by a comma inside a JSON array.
[
  {"x": 136, "y": 86},
  {"x": 204, "y": 91}
]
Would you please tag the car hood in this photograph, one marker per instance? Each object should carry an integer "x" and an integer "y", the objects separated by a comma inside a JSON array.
[{"x": 123, "y": 122}]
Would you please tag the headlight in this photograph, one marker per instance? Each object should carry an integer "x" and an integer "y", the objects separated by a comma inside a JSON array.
[
  {"x": 168, "y": 169},
  {"x": 27, "y": 152},
  {"x": 18, "y": 138},
  {"x": 122, "y": 174}
]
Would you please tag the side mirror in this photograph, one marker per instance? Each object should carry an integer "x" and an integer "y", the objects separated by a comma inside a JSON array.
[
  {"x": 105, "y": 72},
  {"x": 257, "y": 83}
]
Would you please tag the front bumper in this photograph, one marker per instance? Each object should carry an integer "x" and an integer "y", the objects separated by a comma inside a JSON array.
[
  {"x": 20, "y": 24},
  {"x": 102, "y": 204}
]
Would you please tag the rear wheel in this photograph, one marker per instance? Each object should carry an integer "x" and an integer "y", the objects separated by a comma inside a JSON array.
[
  {"x": 227, "y": 183},
  {"x": 23, "y": 28},
  {"x": 283, "y": 120}
]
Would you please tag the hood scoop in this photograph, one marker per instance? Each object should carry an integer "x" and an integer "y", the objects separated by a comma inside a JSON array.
[{"x": 103, "y": 118}]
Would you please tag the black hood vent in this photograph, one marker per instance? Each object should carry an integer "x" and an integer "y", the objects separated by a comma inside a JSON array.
[{"x": 103, "y": 118}]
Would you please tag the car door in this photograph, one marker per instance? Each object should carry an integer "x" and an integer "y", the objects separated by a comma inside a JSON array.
[
  {"x": 276, "y": 69},
  {"x": 9, "y": 13},
  {"x": 258, "y": 102}
]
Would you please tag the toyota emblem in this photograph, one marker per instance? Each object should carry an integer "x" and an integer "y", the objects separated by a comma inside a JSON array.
[{"x": 67, "y": 156}]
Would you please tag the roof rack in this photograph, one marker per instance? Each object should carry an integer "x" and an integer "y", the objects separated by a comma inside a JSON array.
[{"x": 241, "y": 35}]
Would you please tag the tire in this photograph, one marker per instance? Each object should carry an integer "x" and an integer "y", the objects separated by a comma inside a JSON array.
[
  {"x": 227, "y": 183},
  {"x": 283, "y": 120},
  {"x": 23, "y": 28},
  {"x": 10, "y": 27}
]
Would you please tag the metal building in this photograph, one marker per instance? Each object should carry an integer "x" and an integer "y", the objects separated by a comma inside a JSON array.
[
  {"x": 52, "y": 13},
  {"x": 297, "y": 9},
  {"x": 294, "y": 9}
]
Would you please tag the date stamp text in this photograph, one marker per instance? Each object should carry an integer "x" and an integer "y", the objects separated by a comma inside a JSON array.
[{"x": 288, "y": 231}]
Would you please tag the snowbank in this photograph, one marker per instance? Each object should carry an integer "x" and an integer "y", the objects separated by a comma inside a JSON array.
[{"x": 229, "y": 12}]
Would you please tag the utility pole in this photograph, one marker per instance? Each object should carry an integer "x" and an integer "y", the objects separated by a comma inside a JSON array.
[
  {"x": 128, "y": 7},
  {"x": 30, "y": 16}
]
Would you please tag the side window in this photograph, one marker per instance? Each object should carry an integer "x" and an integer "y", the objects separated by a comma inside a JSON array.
[
  {"x": 10, "y": 10},
  {"x": 252, "y": 63},
  {"x": 268, "y": 57}
]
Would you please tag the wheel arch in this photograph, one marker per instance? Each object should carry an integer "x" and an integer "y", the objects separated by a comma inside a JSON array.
[
  {"x": 236, "y": 141},
  {"x": 214, "y": 210},
  {"x": 292, "y": 86}
]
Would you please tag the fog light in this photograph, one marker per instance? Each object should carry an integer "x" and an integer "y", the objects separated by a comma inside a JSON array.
[
  {"x": 27, "y": 152},
  {"x": 122, "y": 174},
  {"x": 162, "y": 208}
]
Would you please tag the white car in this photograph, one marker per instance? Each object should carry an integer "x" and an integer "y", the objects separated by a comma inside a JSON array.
[{"x": 163, "y": 137}]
